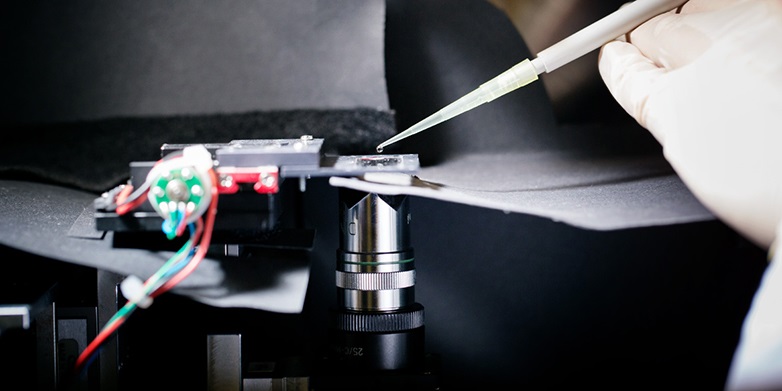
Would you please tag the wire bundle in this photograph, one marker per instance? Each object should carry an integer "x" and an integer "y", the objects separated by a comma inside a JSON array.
[{"x": 173, "y": 271}]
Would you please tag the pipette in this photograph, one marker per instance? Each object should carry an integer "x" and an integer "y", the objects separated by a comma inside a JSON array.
[{"x": 571, "y": 48}]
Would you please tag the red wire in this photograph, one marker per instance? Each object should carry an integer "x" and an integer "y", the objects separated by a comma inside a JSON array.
[
  {"x": 199, "y": 230},
  {"x": 98, "y": 341},
  {"x": 195, "y": 238},
  {"x": 206, "y": 231},
  {"x": 124, "y": 207},
  {"x": 105, "y": 333},
  {"x": 180, "y": 229},
  {"x": 202, "y": 247},
  {"x": 124, "y": 193}
]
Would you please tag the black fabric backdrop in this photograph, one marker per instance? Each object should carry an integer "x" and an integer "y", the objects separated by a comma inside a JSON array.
[{"x": 513, "y": 301}]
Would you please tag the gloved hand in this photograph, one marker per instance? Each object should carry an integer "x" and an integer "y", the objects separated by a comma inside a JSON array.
[{"x": 707, "y": 83}]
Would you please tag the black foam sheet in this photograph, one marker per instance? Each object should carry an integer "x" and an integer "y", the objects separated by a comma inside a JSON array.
[
  {"x": 91, "y": 87},
  {"x": 354, "y": 72},
  {"x": 58, "y": 223},
  {"x": 514, "y": 154}
]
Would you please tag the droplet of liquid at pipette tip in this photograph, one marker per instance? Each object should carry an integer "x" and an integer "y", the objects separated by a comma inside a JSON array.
[{"x": 379, "y": 149}]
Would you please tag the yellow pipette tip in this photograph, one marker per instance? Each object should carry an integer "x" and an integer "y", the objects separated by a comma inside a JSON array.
[
  {"x": 520, "y": 75},
  {"x": 394, "y": 139},
  {"x": 424, "y": 124}
]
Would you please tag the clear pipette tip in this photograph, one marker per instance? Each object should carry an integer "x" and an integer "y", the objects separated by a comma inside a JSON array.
[
  {"x": 426, "y": 123},
  {"x": 520, "y": 75}
]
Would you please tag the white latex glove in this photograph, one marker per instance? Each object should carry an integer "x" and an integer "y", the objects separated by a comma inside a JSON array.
[
  {"x": 707, "y": 83},
  {"x": 757, "y": 362}
]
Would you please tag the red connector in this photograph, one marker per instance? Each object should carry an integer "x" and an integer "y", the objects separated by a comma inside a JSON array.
[{"x": 264, "y": 179}]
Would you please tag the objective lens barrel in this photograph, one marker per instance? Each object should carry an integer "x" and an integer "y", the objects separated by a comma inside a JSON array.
[
  {"x": 375, "y": 264},
  {"x": 378, "y": 326}
]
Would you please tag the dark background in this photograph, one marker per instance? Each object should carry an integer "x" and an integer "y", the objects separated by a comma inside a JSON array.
[{"x": 512, "y": 301}]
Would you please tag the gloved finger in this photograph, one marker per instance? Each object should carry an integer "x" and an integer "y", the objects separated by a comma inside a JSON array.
[
  {"x": 670, "y": 40},
  {"x": 718, "y": 117},
  {"x": 693, "y": 6},
  {"x": 680, "y": 36},
  {"x": 632, "y": 79}
]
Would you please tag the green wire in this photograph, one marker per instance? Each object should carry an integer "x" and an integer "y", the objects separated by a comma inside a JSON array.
[
  {"x": 160, "y": 273},
  {"x": 130, "y": 306}
]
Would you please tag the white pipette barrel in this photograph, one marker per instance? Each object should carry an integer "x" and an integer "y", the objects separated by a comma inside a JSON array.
[{"x": 571, "y": 48}]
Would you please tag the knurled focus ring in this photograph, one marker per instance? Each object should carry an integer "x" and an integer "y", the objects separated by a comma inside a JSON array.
[
  {"x": 376, "y": 281},
  {"x": 381, "y": 322}
]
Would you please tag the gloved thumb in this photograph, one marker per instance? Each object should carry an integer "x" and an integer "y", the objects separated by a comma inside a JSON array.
[
  {"x": 716, "y": 112},
  {"x": 635, "y": 82}
]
